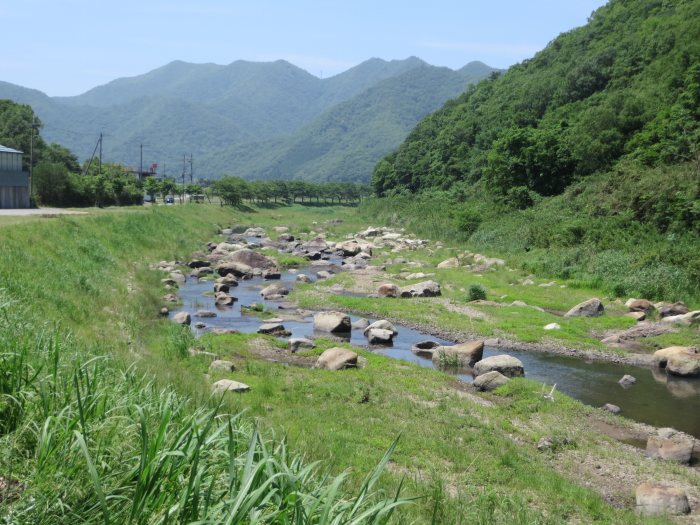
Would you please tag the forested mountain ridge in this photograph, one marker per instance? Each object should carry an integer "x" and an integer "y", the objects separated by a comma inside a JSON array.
[
  {"x": 626, "y": 85},
  {"x": 346, "y": 141},
  {"x": 205, "y": 109}
]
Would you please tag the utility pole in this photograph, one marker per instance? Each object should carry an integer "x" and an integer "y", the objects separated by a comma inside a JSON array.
[
  {"x": 191, "y": 170},
  {"x": 141, "y": 164},
  {"x": 99, "y": 170}
]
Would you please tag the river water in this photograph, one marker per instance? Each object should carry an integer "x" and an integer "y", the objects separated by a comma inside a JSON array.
[{"x": 655, "y": 399}]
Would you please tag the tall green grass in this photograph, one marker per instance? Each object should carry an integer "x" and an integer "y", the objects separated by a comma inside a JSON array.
[
  {"x": 611, "y": 232},
  {"x": 95, "y": 441},
  {"x": 98, "y": 423}
]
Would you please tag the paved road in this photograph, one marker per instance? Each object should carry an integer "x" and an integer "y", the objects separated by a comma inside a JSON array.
[{"x": 38, "y": 211}]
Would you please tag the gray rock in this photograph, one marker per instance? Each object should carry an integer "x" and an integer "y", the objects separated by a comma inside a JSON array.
[
  {"x": 545, "y": 443},
  {"x": 222, "y": 364},
  {"x": 224, "y": 299},
  {"x": 360, "y": 324},
  {"x": 182, "y": 318},
  {"x": 382, "y": 325},
  {"x": 672, "y": 446},
  {"x": 337, "y": 359},
  {"x": 627, "y": 380},
  {"x": 333, "y": 322},
  {"x": 425, "y": 348},
  {"x": 463, "y": 355},
  {"x": 654, "y": 498},
  {"x": 324, "y": 274},
  {"x": 273, "y": 329},
  {"x": 490, "y": 381},
  {"x": 669, "y": 310},
  {"x": 507, "y": 365},
  {"x": 424, "y": 289},
  {"x": 379, "y": 336},
  {"x": 300, "y": 343},
  {"x": 204, "y": 313},
  {"x": 449, "y": 263},
  {"x": 274, "y": 290},
  {"x": 590, "y": 308},
  {"x": 237, "y": 269},
  {"x": 303, "y": 278},
  {"x": 200, "y": 325},
  {"x": 613, "y": 409},
  {"x": 228, "y": 385}
]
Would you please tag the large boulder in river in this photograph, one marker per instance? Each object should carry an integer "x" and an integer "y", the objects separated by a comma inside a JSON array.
[
  {"x": 337, "y": 359},
  {"x": 424, "y": 289},
  {"x": 681, "y": 361},
  {"x": 274, "y": 290},
  {"x": 388, "y": 290},
  {"x": 381, "y": 325},
  {"x": 590, "y": 308},
  {"x": 379, "y": 336},
  {"x": 507, "y": 365},
  {"x": 464, "y": 354},
  {"x": 684, "y": 364},
  {"x": 654, "y": 498},
  {"x": 252, "y": 259},
  {"x": 332, "y": 322},
  {"x": 490, "y": 381},
  {"x": 237, "y": 269}
]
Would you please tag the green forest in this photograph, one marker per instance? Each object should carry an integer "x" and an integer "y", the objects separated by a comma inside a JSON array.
[{"x": 582, "y": 162}]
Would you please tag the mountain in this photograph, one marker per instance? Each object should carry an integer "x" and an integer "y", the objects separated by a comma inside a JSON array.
[
  {"x": 626, "y": 86},
  {"x": 212, "y": 111},
  {"x": 346, "y": 141}
]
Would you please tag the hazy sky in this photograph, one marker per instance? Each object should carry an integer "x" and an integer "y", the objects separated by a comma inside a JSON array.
[{"x": 64, "y": 47}]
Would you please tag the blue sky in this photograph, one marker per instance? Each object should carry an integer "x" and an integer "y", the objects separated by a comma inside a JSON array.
[{"x": 65, "y": 47}]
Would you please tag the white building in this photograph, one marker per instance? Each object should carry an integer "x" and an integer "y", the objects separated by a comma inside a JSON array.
[{"x": 14, "y": 183}]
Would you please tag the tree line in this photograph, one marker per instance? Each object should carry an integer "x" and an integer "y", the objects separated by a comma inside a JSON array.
[{"x": 235, "y": 190}]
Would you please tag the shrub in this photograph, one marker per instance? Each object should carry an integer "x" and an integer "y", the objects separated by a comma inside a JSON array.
[{"x": 477, "y": 292}]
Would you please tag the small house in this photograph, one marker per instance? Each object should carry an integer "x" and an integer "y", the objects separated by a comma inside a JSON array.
[{"x": 14, "y": 183}]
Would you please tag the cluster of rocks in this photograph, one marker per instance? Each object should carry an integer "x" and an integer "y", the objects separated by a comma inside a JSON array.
[
  {"x": 489, "y": 373},
  {"x": 672, "y": 313}
]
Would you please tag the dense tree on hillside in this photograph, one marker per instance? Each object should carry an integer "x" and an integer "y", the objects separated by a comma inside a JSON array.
[{"x": 625, "y": 86}]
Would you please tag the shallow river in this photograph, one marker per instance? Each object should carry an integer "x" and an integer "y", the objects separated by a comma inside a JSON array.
[{"x": 654, "y": 399}]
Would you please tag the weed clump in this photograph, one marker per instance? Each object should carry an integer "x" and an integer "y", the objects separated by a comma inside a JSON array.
[{"x": 476, "y": 292}]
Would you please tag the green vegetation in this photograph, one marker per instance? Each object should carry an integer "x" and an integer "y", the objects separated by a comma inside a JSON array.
[
  {"x": 233, "y": 190},
  {"x": 580, "y": 163},
  {"x": 476, "y": 292},
  {"x": 107, "y": 418},
  {"x": 91, "y": 422},
  {"x": 626, "y": 85}
]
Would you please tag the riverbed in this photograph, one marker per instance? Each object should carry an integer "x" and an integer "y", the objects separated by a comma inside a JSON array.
[{"x": 655, "y": 399}]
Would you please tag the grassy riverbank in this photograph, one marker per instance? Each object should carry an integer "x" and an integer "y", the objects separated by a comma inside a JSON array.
[{"x": 106, "y": 419}]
